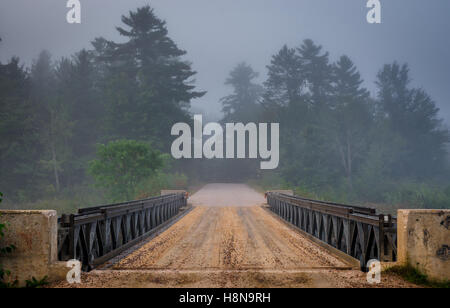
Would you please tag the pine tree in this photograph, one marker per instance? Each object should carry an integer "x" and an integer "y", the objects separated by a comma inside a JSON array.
[
  {"x": 413, "y": 115},
  {"x": 55, "y": 127},
  {"x": 285, "y": 83},
  {"x": 317, "y": 71},
  {"x": 351, "y": 116},
  {"x": 243, "y": 104},
  {"x": 149, "y": 86},
  {"x": 19, "y": 143},
  {"x": 77, "y": 90}
]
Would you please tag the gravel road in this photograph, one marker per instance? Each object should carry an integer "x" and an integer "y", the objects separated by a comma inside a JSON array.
[{"x": 230, "y": 240}]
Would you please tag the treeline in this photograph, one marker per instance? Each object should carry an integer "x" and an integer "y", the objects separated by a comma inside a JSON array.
[
  {"x": 54, "y": 113},
  {"x": 339, "y": 141}
]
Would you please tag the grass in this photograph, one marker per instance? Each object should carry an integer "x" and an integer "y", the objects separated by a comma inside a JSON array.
[
  {"x": 66, "y": 202},
  {"x": 86, "y": 195},
  {"x": 413, "y": 275}
]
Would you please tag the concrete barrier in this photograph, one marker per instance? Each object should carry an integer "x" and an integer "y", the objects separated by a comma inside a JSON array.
[
  {"x": 424, "y": 241},
  {"x": 34, "y": 234},
  {"x": 172, "y": 191},
  {"x": 282, "y": 191}
]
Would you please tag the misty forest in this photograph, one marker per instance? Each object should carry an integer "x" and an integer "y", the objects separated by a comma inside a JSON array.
[{"x": 95, "y": 127}]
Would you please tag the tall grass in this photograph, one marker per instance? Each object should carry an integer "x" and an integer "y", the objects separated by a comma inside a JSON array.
[{"x": 386, "y": 195}]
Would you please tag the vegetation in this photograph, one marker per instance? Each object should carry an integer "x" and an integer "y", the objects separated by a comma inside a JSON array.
[
  {"x": 121, "y": 165},
  {"x": 121, "y": 95},
  {"x": 36, "y": 283},
  {"x": 413, "y": 275},
  {"x": 338, "y": 140}
]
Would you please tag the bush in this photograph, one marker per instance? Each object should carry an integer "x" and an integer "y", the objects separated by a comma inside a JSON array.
[{"x": 121, "y": 165}]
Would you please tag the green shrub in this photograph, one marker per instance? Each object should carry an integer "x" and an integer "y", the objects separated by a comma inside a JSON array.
[{"x": 121, "y": 165}]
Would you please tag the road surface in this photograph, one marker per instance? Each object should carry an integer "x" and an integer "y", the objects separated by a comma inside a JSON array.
[{"x": 230, "y": 240}]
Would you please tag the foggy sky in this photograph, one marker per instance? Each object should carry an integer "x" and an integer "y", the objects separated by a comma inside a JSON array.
[{"x": 217, "y": 34}]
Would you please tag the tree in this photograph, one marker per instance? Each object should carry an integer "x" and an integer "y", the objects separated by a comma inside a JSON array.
[
  {"x": 413, "y": 115},
  {"x": 285, "y": 82},
  {"x": 76, "y": 89},
  {"x": 351, "y": 116},
  {"x": 317, "y": 71},
  {"x": 243, "y": 104},
  {"x": 54, "y": 123},
  {"x": 299, "y": 87},
  {"x": 121, "y": 165},
  {"x": 149, "y": 86},
  {"x": 19, "y": 143}
]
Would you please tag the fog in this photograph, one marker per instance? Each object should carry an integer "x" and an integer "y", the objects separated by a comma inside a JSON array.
[
  {"x": 217, "y": 34},
  {"x": 355, "y": 109}
]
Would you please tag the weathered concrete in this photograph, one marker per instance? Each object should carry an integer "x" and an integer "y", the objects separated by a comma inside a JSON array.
[
  {"x": 172, "y": 191},
  {"x": 283, "y": 191},
  {"x": 424, "y": 241},
  {"x": 34, "y": 234}
]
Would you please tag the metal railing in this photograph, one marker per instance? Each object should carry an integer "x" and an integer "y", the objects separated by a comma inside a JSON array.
[
  {"x": 355, "y": 230},
  {"x": 97, "y": 234}
]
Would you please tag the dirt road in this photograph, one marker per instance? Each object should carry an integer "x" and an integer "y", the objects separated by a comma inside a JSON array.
[{"x": 229, "y": 240}]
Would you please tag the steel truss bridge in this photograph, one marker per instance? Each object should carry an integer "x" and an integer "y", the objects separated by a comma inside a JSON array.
[
  {"x": 97, "y": 234},
  {"x": 355, "y": 230}
]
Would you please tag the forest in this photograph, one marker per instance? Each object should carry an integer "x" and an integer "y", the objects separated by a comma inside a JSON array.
[{"x": 95, "y": 127}]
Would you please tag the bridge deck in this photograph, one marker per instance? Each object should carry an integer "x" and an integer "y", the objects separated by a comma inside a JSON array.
[{"x": 229, "y": 240}]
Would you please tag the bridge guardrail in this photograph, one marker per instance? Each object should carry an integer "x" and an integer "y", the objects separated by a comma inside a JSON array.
[
  {"x": 355, "y": 230},
  {"x": 95, "y": 235}
]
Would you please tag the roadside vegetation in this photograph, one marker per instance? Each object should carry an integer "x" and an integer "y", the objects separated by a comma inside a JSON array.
[
  {"x": 401, "y": 195},
  {"x": 413, "y": 275},
  {"x": 95, "y": 127}
]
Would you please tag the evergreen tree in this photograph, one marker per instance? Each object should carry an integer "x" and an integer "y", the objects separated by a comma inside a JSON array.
[
  {"x": 243, "y": 104},
  {"x": 317, "y": 71},
  {"x": 76, "y": 84},
  {"x": 55, "y": 127},
  {"x": 285, "y": 83},
  {"x": 351, "y": 116},
  {"x": 19, "y": 142},
  {"x": 413, "y": 115},
  {"x": 149, "y": 86}
]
